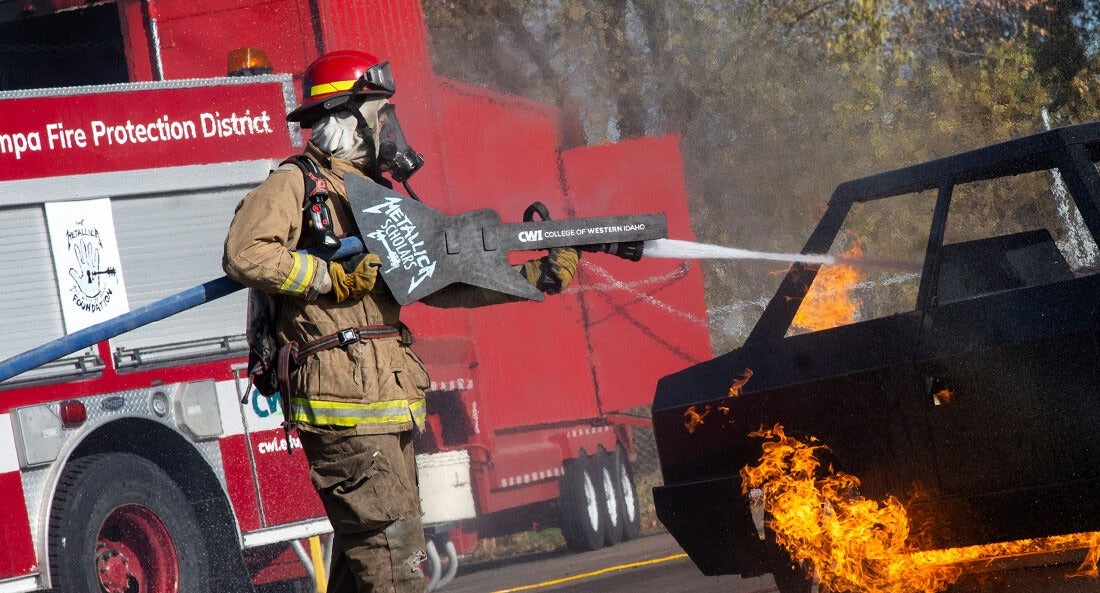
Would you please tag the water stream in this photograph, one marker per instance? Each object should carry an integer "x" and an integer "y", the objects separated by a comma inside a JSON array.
[{"x": 677, "y": 249}]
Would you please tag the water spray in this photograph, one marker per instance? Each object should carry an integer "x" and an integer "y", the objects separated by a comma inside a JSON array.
[{"x": 677, "y": 249}]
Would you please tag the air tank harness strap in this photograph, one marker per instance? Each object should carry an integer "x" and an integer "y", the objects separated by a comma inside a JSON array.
[
  {"x": 345, "y": 338},
  {"x": 291, "y": 355},
  {"x": 315, "y": 203}
]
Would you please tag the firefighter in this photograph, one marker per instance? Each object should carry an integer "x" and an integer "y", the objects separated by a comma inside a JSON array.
[{"x": 351, "y": 385}]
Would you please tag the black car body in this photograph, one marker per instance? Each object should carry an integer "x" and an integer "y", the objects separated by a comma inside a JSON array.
[{"x": 1002, "y": 323}]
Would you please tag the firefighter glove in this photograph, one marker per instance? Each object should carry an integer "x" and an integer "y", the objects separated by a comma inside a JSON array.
[
  {"x": 354, "y": 277},
  {"x": 553, "y": 273}
]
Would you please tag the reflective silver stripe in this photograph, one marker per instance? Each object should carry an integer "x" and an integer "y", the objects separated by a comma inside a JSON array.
[{"x": 301, "y": 275}]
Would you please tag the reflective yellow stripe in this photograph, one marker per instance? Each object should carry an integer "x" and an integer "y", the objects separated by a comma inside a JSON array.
[
  {"x": 330, "y": 87},
  {"x": 419, "y": 409},
  {"x": 301, "y": 275},
  {"x": 352, "y": 413}
]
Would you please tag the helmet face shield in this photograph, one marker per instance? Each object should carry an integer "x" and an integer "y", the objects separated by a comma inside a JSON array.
[{"x": 377, "y": 78}]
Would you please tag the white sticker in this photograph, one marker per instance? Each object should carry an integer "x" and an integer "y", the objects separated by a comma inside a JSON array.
[{"x": 86, "y": 262}]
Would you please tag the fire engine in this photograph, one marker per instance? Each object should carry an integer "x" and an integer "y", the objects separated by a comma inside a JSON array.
[{"x": 141, "y": 461}]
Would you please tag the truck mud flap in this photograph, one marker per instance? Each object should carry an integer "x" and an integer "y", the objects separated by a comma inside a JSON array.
[{"x": 711, "y": 521}]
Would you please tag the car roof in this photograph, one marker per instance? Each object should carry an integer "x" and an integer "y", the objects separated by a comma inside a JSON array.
[{"x": 1013, "y": 157}]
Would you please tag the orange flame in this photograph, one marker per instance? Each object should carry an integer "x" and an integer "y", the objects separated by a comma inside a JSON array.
[
  {"x": 860, "y": 545},
  {"x": 829, "y": 302},
  {"x": 693, "y": 418},
  {"x": 739, "y": 382}
]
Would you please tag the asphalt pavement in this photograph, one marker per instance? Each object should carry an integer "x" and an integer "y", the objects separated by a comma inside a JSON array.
[
  {"x": 651, "y": 564},
  {"x": 656, "y": 564}
]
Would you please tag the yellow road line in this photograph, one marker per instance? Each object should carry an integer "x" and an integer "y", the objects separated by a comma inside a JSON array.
[{"x": 586, "y": 575}]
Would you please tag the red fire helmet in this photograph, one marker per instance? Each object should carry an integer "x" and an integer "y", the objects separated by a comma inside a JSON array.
[{"x": 334, "y": 78}]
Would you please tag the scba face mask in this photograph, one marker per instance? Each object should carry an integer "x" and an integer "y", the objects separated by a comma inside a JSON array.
[
  {"x": 345, "y": 133},
  {"x": 395, "y": 156}
]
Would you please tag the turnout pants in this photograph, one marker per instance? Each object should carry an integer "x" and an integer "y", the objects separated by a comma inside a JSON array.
[{"x": 368, "y": 486}]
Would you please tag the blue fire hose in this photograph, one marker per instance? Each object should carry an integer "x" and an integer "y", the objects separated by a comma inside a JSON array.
[{"x": 166, "y": 307}]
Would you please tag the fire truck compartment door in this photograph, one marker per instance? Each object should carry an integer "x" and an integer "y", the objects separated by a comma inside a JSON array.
[{"x": 170, "y": 226}]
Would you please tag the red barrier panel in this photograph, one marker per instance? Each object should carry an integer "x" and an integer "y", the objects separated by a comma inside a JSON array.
[{"x": 644, "y": 319}]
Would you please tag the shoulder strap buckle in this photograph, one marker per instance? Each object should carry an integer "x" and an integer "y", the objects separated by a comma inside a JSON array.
[{"x": 319, "y": 217}]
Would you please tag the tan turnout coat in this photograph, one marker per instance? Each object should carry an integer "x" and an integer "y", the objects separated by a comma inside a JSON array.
[{"x": 377, "y": 385}]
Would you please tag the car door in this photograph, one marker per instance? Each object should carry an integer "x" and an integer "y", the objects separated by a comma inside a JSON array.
[{"x": 1011, "y": 381}]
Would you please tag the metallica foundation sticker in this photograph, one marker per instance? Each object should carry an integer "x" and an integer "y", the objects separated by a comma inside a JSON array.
[{"x": 86, "y": 261}]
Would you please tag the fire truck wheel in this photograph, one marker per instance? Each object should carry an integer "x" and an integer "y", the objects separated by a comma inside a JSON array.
[
  {"x": 582, "y": 506},
  {"x": 612, "y": 500},
  {"x": 629, "y": 508},
  {"x": 119, "y": 524}
]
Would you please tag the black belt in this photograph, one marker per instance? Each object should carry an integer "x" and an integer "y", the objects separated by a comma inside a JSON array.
[
  {"x": 292, "y": 354},
  {"x": 345, "y": 338}
]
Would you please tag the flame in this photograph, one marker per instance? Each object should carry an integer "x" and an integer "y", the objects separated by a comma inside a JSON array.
[
  {"x": 739, "y": 382},
  {"x": 943, "y": 396},
  {"x": 859, "y": 545},
  {"x": 830, "y": 302},
  {"x": 693, "y": 417}
]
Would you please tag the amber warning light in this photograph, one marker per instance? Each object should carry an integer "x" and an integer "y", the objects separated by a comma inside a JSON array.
[{"x": 248, "y": 61}]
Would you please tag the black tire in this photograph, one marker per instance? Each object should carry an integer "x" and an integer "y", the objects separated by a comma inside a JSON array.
[
  {"x": 118, "y": 523},
  {"x": 606, "y": 471},
  {"x": 630, "y": 512},
  {"x": 582, "y": 522}
]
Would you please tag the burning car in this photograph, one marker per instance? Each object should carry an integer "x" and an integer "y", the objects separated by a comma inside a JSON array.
[{"x": 968, "y": 388}]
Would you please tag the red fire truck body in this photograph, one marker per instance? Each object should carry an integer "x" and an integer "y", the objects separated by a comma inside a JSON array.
[{"x": 144, "y": 437}]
